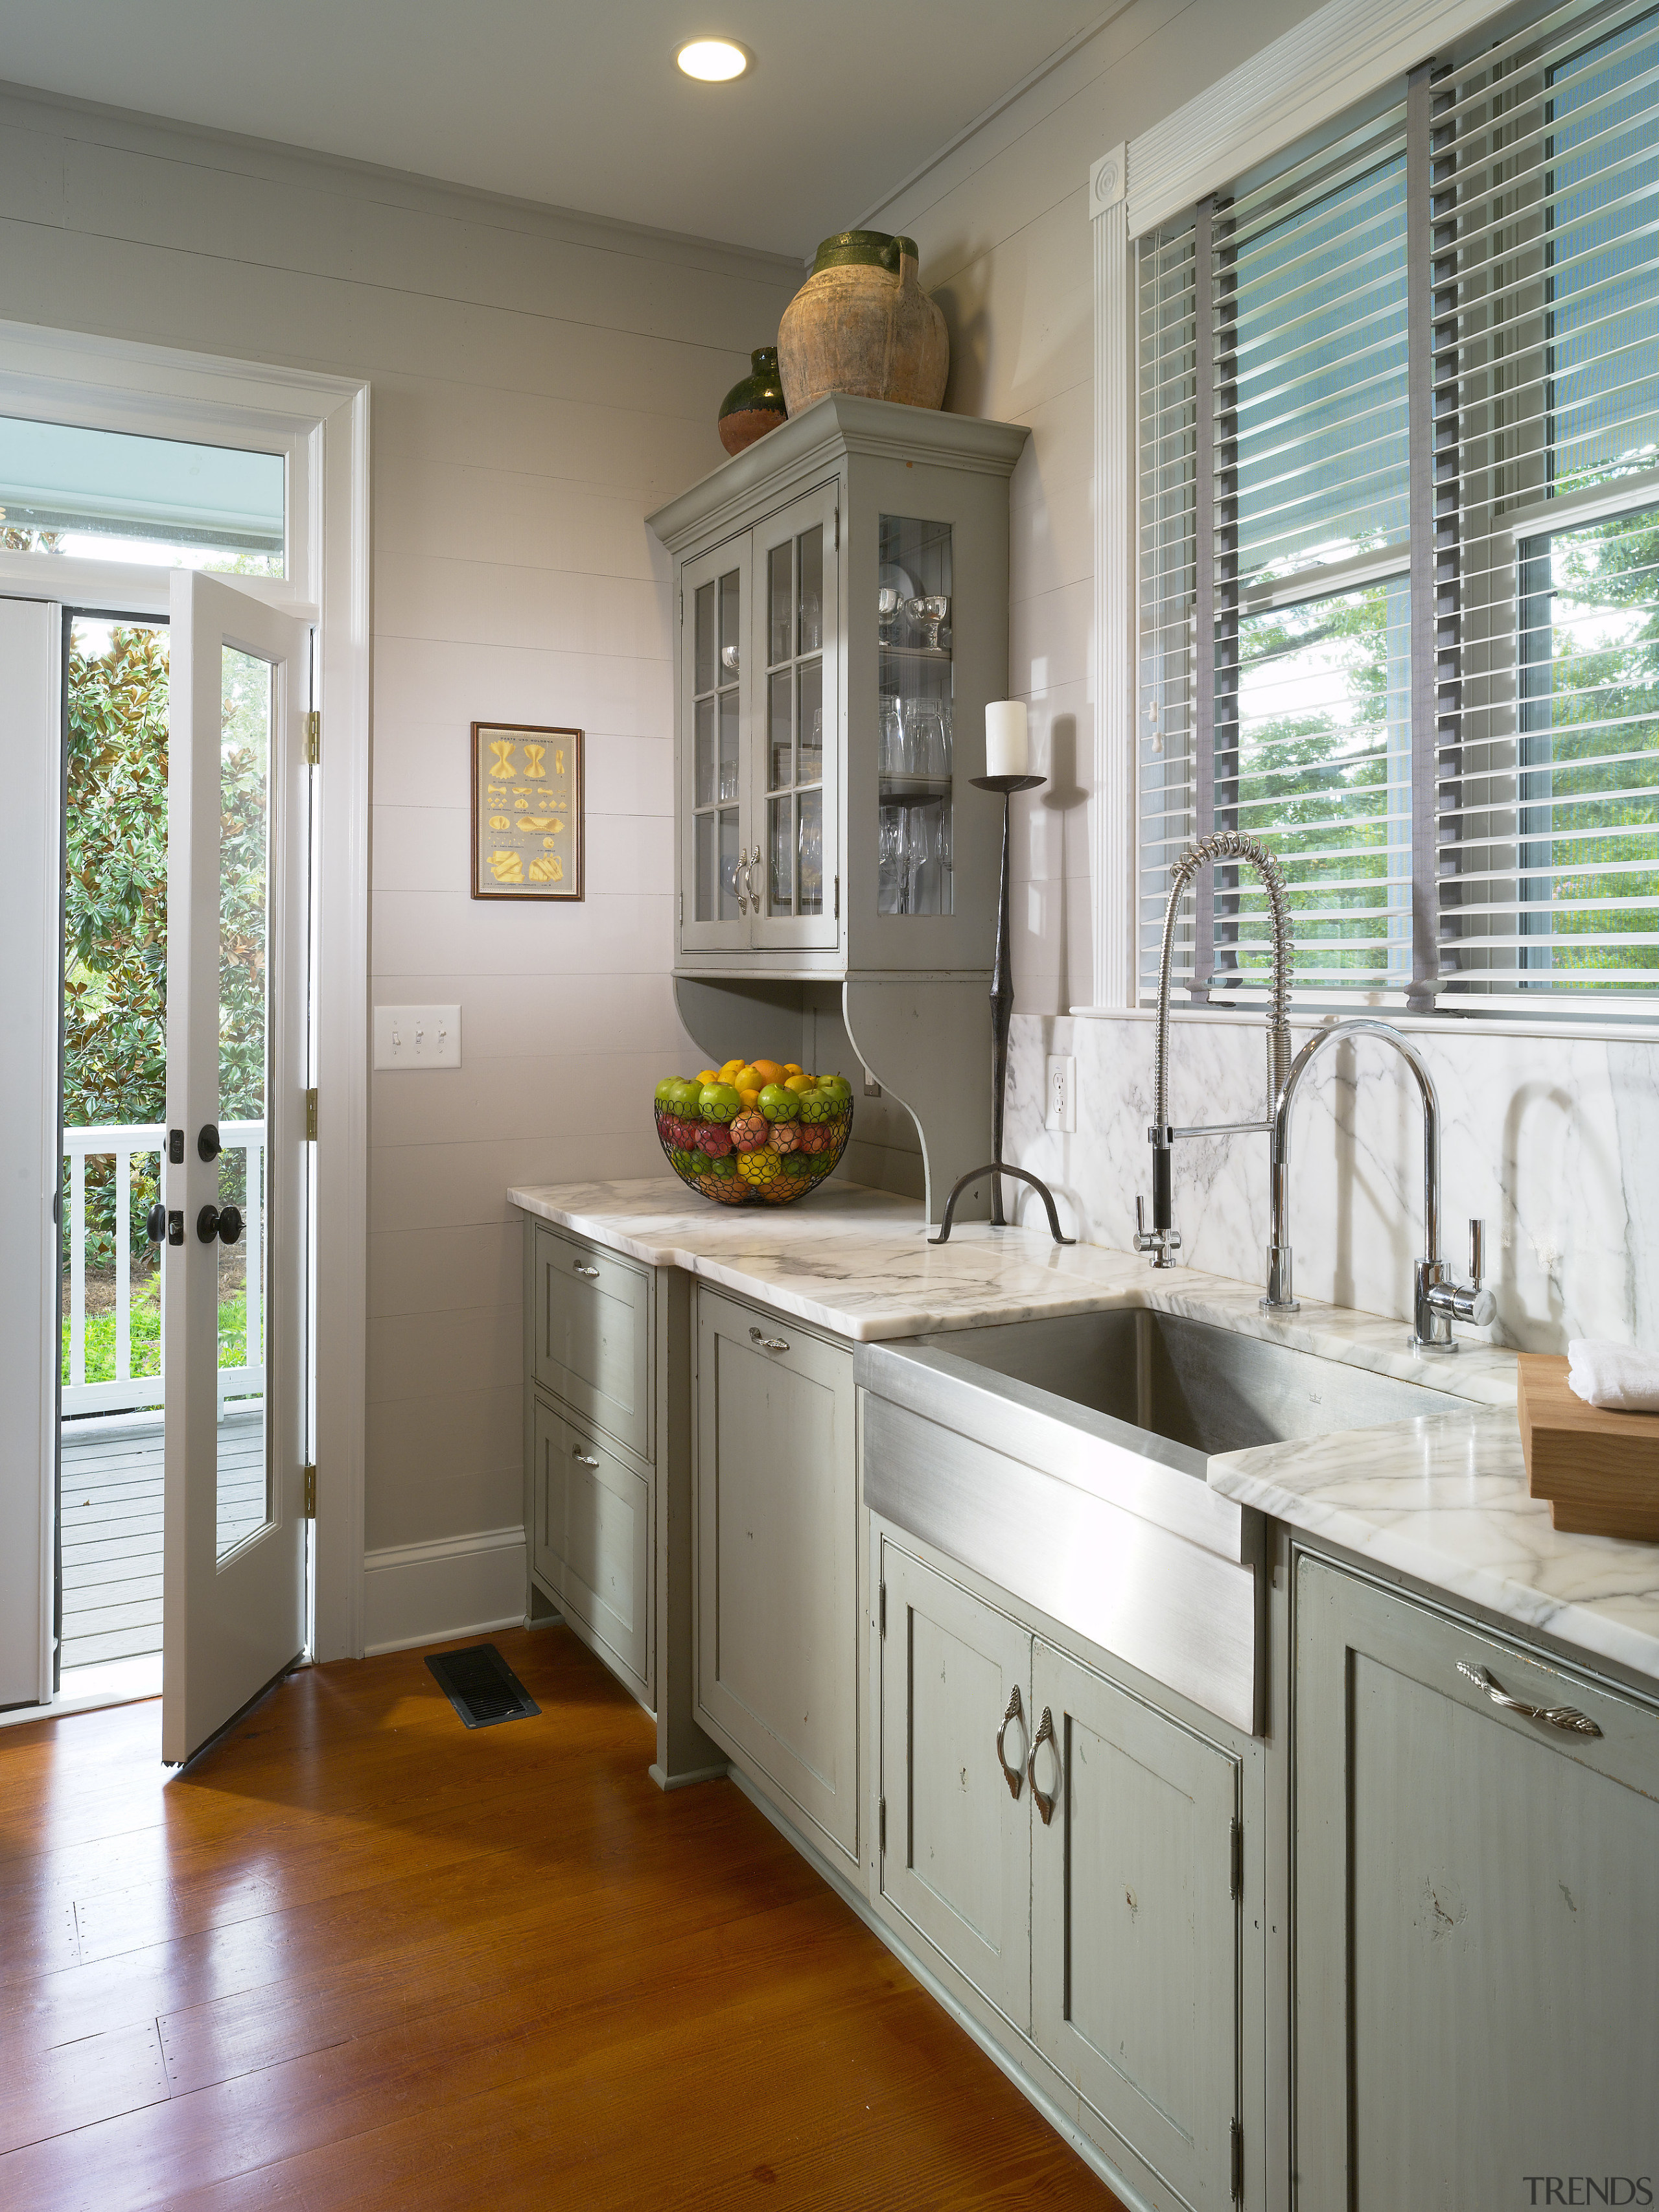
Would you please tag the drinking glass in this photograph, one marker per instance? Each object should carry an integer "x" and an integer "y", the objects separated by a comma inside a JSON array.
[
  {"x": 889, "y": 870},
  {"x": 924, "y": 726},
  {"x": 890, "y": 750}
]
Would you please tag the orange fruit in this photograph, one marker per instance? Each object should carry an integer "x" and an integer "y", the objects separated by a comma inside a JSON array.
[
  {"x": 748, "y": 1098},
  {"x": 773, "y": 1070}
]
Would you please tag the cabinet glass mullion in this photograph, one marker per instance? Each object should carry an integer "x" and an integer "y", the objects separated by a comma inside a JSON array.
[
  {"x": 716, "y": 831},
  {"x": 794, "y": 726}
]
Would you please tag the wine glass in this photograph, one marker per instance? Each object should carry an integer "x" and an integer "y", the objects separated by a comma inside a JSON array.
[
  {"x": 890, "y": 858},
  {"x": 887, "y": 601},
  {"x": 926, "y": 613}
]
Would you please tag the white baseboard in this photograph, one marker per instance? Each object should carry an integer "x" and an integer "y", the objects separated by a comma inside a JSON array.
[{"x": 429, "y": 1593}]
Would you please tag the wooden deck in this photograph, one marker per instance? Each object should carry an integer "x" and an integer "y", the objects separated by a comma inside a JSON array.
[
  {"x": 112, "y": 1524},
  {"x": 360, "y": 1959}
]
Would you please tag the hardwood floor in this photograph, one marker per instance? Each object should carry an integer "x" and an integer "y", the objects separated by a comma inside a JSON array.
[{"x": 363, "y": 1960}]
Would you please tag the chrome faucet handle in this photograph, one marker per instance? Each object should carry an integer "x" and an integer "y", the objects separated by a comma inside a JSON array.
[
  {"x": 1441, "y": 1301},
  {"x": 1477, "y": 1252},
  {"x": 1162, "y": 1244}
]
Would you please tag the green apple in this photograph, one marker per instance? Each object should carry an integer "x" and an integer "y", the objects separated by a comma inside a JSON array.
[
  {"x": 720, "y": 1102},
  {"x": 778, "y": 1104}
]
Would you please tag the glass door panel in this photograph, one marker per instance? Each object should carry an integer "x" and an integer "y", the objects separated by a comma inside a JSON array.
[
  {"x": 914, "y": 717},
  {"x": 799, "y": 581},
  {"x": 245, "y": 712},
  {"x": 714, "y": 879}
]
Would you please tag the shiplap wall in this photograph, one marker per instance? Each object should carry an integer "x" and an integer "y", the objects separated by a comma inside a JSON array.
[
  {"x": 1007, "y": 251},
  {"x": 540, "y": 382}
]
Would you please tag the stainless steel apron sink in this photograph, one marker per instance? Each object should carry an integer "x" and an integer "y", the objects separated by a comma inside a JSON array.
[{"x": 1063, "y": 1459}]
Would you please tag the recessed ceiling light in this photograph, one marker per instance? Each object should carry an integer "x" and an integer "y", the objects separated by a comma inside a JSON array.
[{"x": 715, "y": 61}]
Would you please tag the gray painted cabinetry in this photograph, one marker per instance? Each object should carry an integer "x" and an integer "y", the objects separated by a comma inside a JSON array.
[
  {"x": 1476, "y": 1913},
  {"x": 777, "y": 1602}
]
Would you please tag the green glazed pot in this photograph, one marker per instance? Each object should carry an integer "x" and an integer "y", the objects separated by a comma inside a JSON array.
[
  {"x": 756, "y": 405},
  {"x": 862, "y": 324}
]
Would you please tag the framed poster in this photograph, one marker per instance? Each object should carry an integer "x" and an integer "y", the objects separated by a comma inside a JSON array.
[{"x": 526, "y": 812}]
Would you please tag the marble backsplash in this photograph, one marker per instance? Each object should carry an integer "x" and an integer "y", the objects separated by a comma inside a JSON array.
[{"x": 1553, "y": 1143}]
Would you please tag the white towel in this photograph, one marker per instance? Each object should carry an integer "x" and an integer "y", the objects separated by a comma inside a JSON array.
[{"x": 1616, "y": 1376}]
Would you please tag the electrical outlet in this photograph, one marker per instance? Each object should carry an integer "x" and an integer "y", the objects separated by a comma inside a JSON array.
[
  {"x": 1063, "y": 1092},
  {"x": 417, "y": 1036}
]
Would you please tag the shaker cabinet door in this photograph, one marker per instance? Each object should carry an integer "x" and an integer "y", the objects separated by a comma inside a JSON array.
[
  {"x": 1475, "y": 1912},
  {"x": 795, "y": 846},
  {"x": 777, "y": 1630},
  {"x": 956, "y": 1861},
  {"x": 716, "y": 687},
  {"x": 1134, "y": 1935}
]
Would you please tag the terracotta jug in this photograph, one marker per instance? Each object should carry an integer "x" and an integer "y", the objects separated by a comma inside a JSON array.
[{"x": 861, "y": 323}]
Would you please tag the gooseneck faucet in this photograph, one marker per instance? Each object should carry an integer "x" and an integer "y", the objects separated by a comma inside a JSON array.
[
  {"x": 1163, "y": 1240},
  {"x": 1438, "y": 1299}
]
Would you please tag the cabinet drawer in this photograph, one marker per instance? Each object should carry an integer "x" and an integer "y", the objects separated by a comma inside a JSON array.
[
  {"x": 591, "y": 1539},
  {"x": 592, "y": 1344}
]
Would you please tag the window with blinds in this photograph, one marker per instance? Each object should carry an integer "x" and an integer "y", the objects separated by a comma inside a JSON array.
[{"x": 1399, "y": 523}]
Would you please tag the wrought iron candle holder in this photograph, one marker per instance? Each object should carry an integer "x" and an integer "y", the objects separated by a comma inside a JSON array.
[{"x": 1002, "y": 1010}]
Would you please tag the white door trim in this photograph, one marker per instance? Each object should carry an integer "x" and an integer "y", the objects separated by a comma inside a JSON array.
[{"x": 322, "y": 423}]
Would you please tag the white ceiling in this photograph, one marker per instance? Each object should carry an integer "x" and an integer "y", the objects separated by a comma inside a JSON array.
[{"x": 575, "y": 106}]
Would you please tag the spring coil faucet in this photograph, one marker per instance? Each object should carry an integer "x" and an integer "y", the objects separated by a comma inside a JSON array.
[{"x": 1163, "y": 1240}]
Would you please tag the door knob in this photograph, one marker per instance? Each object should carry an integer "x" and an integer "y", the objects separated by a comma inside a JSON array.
[
  {"x": 207, "y": 1146},
  {"x": 224, "y": 1222},
  {"x": 155, "y": 1227}
]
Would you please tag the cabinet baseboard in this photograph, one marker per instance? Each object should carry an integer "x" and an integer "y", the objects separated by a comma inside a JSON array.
[{"x": 1030, "y": 2089}]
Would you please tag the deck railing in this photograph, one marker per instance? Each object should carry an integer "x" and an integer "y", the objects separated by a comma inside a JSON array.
[{"x": 123, "y": 1390}]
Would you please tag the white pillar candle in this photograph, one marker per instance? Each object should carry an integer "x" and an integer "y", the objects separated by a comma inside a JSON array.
[{"x": 1007, "y": 739}]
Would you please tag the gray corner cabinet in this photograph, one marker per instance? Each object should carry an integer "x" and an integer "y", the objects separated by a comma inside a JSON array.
[{"x": 841, "y": 603}]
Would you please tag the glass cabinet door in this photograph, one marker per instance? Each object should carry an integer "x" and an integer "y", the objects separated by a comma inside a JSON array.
[
  {"x": 796, "y": 858},
  {"x": 716, "y": 865},
  {"x": 914, "y": 753}
]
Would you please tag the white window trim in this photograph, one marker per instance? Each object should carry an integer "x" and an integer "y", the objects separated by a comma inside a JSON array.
[
  {"x": 321, "y": 423},
  {"x": 1337, "y": 57}
]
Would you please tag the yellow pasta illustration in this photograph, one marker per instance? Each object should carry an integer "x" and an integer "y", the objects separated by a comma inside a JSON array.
[
  {"x": 533, "y": 756},
  {"x": 501, "y": 821},
  {"x": 507, "y": 867},
  {"x": 550, "y": 869},
  {"x": 502, "y": 749},
  {"x": 539, "y": 822}
]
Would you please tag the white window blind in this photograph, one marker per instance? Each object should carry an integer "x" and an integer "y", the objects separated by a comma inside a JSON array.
[{"x": 1399, "y": 423}]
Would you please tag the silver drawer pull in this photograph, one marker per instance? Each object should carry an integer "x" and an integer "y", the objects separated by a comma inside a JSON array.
[
  {"x": 580, "y": 1270},
  {"x": 769, "y": 1343},
  {"x": 1561, "y": 1716},
  {"x": 582, "y": 1458},
  {"x": 1011, "y": 1775},
  {"x": 1045, "y": 1735}
]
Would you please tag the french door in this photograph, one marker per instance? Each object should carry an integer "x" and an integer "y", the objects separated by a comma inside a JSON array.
[{"x": 234, "y": 1258}]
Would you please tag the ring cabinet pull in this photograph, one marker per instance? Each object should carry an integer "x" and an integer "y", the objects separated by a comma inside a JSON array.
[
  {"x": 1561, "y": 1716},
  {"x": 1012, "y": 1775},
  {"x": 1045, "y": 1735},
  {"x": 769, "y": 1343}
]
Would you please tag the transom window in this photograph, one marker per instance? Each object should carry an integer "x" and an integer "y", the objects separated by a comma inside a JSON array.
[{"x": 1399, "y": 522}]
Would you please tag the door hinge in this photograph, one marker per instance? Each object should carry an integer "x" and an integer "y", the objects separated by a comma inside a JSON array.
[
  {"x": 310, "y": 1473},
  {"x": 1235, "y": 1860},
  {"x": 838, "y": 527},
  {"x": 310, "y": 1115},
  {"x": 881, "y": 1826},
  {"x": 883, "y": 1608},
  {"x": 1238, "y": 2163},
  {"x": 313, "y": 738}
]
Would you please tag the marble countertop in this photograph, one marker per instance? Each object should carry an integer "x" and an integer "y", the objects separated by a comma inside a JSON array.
[
  {"x": 1443, "y": 1498},
  {"x": 858, "y": 1263}
]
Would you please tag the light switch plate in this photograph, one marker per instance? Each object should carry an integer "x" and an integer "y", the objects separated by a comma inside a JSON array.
[
  {"x": 417, "y": 1036},
  {"x": 1061, "y": 1105}
]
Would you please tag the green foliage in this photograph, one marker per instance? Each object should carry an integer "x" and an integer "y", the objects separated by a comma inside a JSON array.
[
  {"x": 115, "y": 906},
  {"x": 144, "y": 1334}
]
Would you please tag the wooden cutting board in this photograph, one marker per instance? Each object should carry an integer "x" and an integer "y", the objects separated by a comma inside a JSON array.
[{"x": 1599, "y": 1470}]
